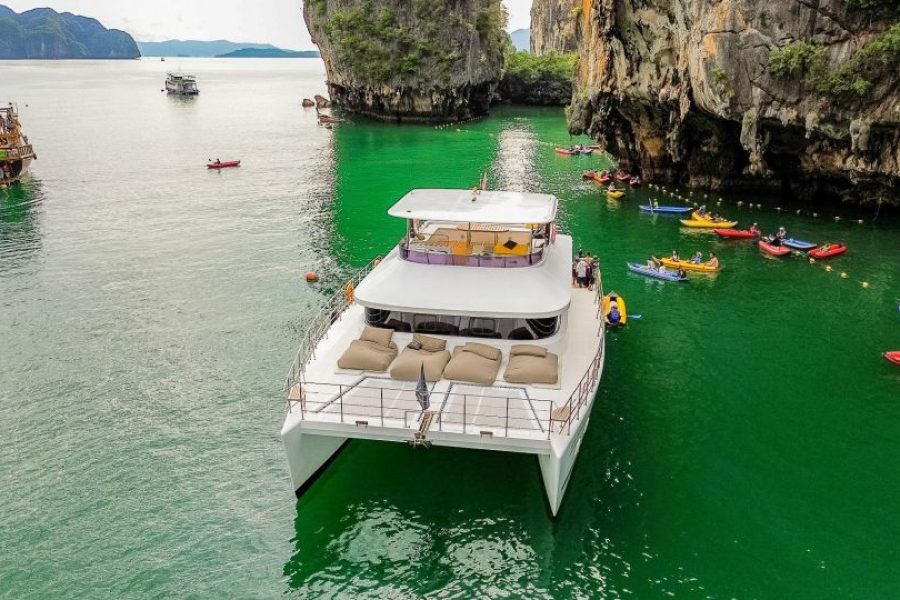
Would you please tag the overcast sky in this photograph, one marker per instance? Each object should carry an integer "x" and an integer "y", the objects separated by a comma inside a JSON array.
[{"x": 277, "y": 22}]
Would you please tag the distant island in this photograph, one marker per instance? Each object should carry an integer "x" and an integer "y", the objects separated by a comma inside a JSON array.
[
  {"x": 270, "y": 53},
  {"x": 43, "y": 33},
  {"x": 220, "y": 48}
]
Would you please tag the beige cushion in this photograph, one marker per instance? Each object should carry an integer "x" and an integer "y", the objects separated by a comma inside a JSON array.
[
  {"x": 363, "y": 355},
  {"x": 526, "y": 368},
  {"x": 527, "y": 350},
  {"x": 409, "y": 363},
  {"x": 483, "y": 350},
  {"x": 472, "y": 367},
  {"x": 430, "y": 344},
  {"x": 379, "y": 335}
]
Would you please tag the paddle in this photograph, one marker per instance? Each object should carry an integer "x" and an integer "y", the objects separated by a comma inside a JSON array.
[{"x": 634, "y": 316}]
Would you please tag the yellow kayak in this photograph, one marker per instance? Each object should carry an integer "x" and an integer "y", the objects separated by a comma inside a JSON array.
[
  {"x": 622, "y": 312},
  {"x": 615, "y": 194},
  {"x": 688, "y": 265},
  {"x": 707, "y": 224}
]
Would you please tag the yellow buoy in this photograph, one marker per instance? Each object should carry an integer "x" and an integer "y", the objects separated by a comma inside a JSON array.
[
  {"x": 815, "y": 215},
  {"x": 843, "y": 275},
  {"x": 828, "y": 268},
  {"x": 860, "y": 221},
  {"x": 310, "y": 276},
  {"x": 865, "y": 284},
  {"x": 837, "y": 218},
  {"x": 812, "y": 260}
]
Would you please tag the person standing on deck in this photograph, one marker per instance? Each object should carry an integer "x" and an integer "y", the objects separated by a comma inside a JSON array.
[
  {"x": 591, "y": 271},
  {"x": 581, "y": 270}
]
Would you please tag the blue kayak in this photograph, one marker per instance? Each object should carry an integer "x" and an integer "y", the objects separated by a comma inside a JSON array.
[
  {"x": 667, "y": 209},
  {"x": 798, "y": 244},
  {"x": 645, "y": 270}
]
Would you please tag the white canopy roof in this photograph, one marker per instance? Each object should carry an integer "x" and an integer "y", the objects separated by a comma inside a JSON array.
[
  {"x": 543, "y": 290},
  {"x": 467, "y": 206}
]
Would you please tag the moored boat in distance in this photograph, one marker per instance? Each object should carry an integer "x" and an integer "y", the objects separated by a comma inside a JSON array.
[
  {"x": 468, "y": 334},
  {"x": 740, "y": 234},
  {"x": 181, "y": 85},
  {"x": 666, "y": 209},
  {"x": 16, "y": 152}
]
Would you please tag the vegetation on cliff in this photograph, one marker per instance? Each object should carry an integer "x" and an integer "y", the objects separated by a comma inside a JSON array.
[
  {"x": 853, "y": 77},
  {"x": 45, "y": 33},
  {"x": 380, "y": 43},
  {"x": 544, "y": 79}
]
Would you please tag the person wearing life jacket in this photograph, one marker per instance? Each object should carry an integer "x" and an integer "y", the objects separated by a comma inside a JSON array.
[
  {"x": 782, "y": 233},
  {"x": 675, "y": 256},
  {"x": 754, "y": 229},
  {"x": 697, "y": 258},
  {"x": 713, "y": 261}
]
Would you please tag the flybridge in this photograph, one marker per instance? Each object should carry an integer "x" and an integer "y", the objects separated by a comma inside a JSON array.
[{"x": 475, "y": 206}]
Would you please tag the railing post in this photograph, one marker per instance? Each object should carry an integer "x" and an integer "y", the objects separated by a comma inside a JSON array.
[
  {"x": 381, "y": 400},
  {"x": 341, "y": 400},
  {"x": 464, "y": 413},
  {"x": 506, "y": 428}
]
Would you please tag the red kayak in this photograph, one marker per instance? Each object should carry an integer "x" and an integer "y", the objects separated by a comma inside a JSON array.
[
  {"x": 773, "y": 250},
  {"x": 224, "y": 164},
  {"x": 743, "y": 234},
  {"x": 828, "y": 250},
  {"x": 893, "y": 357}
]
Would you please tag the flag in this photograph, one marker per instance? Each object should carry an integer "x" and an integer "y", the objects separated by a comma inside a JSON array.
[{"x": 422, "y": 392}]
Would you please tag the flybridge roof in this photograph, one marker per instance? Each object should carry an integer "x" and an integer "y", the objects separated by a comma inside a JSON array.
[{"x": 467, "y": 206}]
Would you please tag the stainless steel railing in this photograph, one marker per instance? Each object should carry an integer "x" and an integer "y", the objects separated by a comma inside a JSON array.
[{"x": 330, "y": 312}]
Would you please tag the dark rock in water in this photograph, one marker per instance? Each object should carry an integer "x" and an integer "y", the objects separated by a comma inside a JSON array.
[
  {"x": 322, "y": 102},
  {"x": 410, "y": 60},
  {"x": 43, "y": 33},
  {"x": 797, "y": 98},
  {"x": 308, "y": 103}
]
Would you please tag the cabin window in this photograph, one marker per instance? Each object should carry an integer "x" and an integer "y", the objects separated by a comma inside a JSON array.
[{"x": 454, "y": 325}]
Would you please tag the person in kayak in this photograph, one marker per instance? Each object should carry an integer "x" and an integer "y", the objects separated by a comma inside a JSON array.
[
  {"x": 675, "y": 256},
  {"x": 614, "y": 317},
  {"x": 713, "y": 261},
  {"x": 702, "y": 211},
  {"x": 681, "y": 273},
  {"x": 774, "y": 240},
  {"x": 754, "y": 229},
  {"x": 782, "y": 233},
  {"x": 652, "y": 264},
  {"x": 697, "y": 258}
]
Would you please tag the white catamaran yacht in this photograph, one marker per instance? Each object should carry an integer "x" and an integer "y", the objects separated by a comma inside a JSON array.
[{"x": 468, "y": 334}]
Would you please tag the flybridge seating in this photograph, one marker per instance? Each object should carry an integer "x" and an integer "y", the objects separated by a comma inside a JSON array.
[{"x": 475, "y": 228}]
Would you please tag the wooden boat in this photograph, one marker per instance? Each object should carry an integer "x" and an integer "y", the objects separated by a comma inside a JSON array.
[
  {"x": 225, "y": 164},
  {"x": 16, "y": 152}
]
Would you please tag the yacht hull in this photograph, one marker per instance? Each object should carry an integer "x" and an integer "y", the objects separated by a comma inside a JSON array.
[{"x": 308, "y": 455}]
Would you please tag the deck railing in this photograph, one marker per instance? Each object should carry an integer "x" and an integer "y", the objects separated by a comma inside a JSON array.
[{"x": 331, "y": 311}]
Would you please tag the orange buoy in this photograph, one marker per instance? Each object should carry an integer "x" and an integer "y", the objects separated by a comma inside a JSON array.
[{"x": 310, "y": 276}]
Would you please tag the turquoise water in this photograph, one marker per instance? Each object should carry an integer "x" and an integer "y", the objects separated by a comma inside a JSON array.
[{"x": 744, "y": 442}]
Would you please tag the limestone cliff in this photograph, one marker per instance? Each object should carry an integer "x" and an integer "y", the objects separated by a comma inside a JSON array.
[
  {"x": 797, "y": 96},
  {"x": 553, "y": 25},
  {"x": 410, "y": 60}
]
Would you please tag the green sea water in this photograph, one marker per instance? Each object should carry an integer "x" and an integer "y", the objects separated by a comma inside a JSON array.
[{"x": 745, "y": 442}]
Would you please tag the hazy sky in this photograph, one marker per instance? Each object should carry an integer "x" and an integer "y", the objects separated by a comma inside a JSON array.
[{"x": 277, "y": 22}]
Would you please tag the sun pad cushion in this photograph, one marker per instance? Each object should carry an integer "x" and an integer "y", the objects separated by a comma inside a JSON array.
[
  {"x": 409, "y": 364},
  {"x": 526, "y": 368},
  {"x": 378, "y": 335},
  {"x": 472, "y": 367},
  {"x": 431, "y": 344},
  {"x": 483, "y": 350},
  {"x": 363, "y": 355},
  {"x": 527, "y": 350}
]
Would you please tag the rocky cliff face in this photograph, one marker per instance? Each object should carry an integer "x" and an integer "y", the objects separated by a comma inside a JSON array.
[
  {"x": 685, "y": 90},
  {"x": 410, "y": 60},
  {"x": 43, "y": 33},
  {"x": 553, "y": 25}
]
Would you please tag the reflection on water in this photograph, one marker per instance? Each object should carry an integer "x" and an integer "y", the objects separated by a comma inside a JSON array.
[
  {"x": 20, "y": 238},
  {"x": 514, "y": 165}
]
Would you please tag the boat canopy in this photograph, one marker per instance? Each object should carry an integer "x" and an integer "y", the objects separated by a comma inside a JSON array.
[
  {"x": 542, "y": 290},
  {"x": 475, "y": 206}
]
